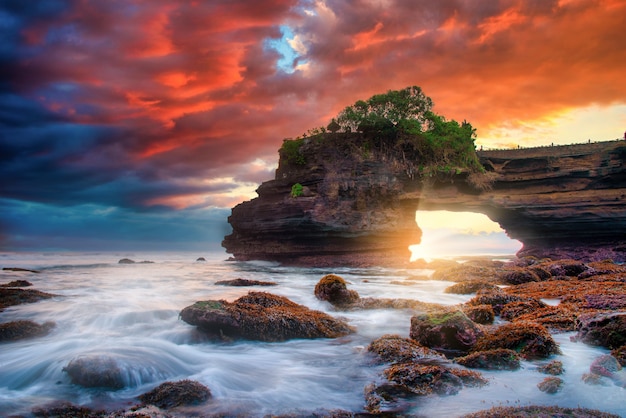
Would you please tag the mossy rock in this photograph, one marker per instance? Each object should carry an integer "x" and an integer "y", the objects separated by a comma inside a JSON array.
[
  {"x": 449, "y": 332},
  {"x": 172, "y": 394},
  {"x": 530, "y": 340},
  {"x": 396, "y": 349},
  {"x": 334, "y": 289},
  {"x": 497, "y": 359},
  {"x": 264, "y": 317}
]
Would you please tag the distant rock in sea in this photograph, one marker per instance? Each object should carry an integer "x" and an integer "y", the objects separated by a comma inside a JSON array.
[
  {"x": 20, "y": 269},
  {"x": 129, "y": 261}
]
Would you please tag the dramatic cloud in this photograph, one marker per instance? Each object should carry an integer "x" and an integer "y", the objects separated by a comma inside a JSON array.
[{"x": 158, "y": 107}]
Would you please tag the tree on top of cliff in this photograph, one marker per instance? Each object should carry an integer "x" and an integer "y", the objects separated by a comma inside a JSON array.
[
  {"x": 395, "y": 110},
  {"x": 398, "y": 126},
  {"x": 401, "y": 123}
]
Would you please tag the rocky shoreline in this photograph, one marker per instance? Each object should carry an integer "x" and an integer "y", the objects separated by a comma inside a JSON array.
[{"x": 506, "y": 320}]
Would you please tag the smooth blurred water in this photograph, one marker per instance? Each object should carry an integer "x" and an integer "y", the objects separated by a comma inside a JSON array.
[{"x": 130, "y": 312}]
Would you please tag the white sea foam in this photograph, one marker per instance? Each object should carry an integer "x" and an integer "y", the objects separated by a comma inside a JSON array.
[{"x": 129, "y": 312}]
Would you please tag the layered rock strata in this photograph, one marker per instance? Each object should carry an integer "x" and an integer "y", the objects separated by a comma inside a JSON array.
[{"x": 358, "y": 207}]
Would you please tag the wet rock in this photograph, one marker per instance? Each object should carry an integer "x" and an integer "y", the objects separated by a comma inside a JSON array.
[
  {"x": 494, "y": 297},
  {"x": 20, "y": 269},
  {"x": 17, "y": 283},
  {"x": 565, "y": 267},
  {"x": 66, "y": 410},
  {"x": 126, "y": 261},
  {"x": 605, "y": 301},
  {"x": 519, "y": 276},
  {"x": 172, "y": 394},
  {"x": 599, "y": 268},
  {"x": 455, "y": 272},
  {"x": 12, "y": 296},
  {"x": 481, "y": 314},
  {"x": 541, "y": 272},
  {"x": 469, "y": 287},
  {"x": 243, "y": 283},
  {"x": 605, "y": 365},
  {"x": 95, "y": 371},
  {"x": 515, "y": 309},
  {"x": 555, "y": 368},
  {"x": 405, "y": 380},
  {"x": 396, "y": 349},
  {"x": 603, "y": 329},
  {"x": 550, "y": 385},
  {"x": 387, "y": 303},
  {"x": 538, "y": 411},
  {"x": 498, "y": 359},
  {"x": 264, "y": 317},
  {"x": 592, "y": 379},
  {"x": 19, "y": 330},
  {"x": 449, "y": 332},
  {"x": 620, "y": 355},
  {"x": 530, "y": 340},
  {"x": 200, "y": 259},
  {"x": 333, "y": 289},
  {"x": 557, "y": 318}
]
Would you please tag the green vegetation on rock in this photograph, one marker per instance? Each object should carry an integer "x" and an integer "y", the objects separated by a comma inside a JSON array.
[
  {"x": 401, "y": 127},
  {"x": 296, "y": 190}
]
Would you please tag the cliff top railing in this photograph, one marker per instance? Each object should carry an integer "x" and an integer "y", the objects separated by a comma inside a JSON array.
[{"x": 584, "y": 148}]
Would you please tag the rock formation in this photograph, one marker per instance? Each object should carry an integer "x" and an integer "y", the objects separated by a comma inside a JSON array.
[{"x": 357, "y": 207}]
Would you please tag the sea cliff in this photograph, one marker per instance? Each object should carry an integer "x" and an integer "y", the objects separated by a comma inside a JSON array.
[{"x": 357, "y": 206}]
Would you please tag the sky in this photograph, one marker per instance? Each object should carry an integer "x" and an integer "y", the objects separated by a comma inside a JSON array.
[{"x": 138, "y": 124}]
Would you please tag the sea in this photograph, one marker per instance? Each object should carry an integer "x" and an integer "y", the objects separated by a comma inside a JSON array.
[{"x": 130, "y": 312}]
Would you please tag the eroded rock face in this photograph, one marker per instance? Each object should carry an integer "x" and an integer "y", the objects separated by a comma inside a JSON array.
[{"x": 359, "y": 208}]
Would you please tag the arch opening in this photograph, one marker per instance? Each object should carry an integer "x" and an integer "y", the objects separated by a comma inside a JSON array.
[{"x": 447, "y": 234}]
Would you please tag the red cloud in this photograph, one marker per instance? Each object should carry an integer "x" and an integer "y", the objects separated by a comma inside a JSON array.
[{"x": 193, "y": 90}]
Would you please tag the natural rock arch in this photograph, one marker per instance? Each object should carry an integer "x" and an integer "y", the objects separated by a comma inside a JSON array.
[{"x": 360, "y": 209}]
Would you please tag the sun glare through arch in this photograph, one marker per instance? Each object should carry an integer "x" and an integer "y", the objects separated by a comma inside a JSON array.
[{"x": 447, "y": 234}]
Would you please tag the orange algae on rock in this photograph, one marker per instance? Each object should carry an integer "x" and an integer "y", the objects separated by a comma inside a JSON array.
[{"x": 530, "y": 340}]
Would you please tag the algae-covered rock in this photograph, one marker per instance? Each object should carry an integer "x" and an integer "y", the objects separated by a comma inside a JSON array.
[
  {"x": 604, "y": 329},
  {"x": 333, "y": 289},
  {"x": 530, "y": 340},
  {"x": 497, "y": 359},
  {"x": 451, "y": 332},
  {"x": 550, "y": 385},
  {"x": 18, "y": 330},
  {"x": 396, "y": 349},
  {"x": 264, "y": 317},
  {"x": 481, "y": 314},
  {"x": 172, "y": 394}
]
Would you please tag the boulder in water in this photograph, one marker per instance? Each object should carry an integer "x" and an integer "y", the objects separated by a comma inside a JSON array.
[
  {"x": 19, "y": 330},
  {"x": 530, "y": 340},
  {"x": 396, "y": 349},
  {"x": 95, "y": 371},
  {"x": 333, "y": 289},
  {"x": 264, "y": 317},
  {"x": 449, "y": 332},
  {"x": 498, "y": 359},
  {"x": 172, "y": 394}
]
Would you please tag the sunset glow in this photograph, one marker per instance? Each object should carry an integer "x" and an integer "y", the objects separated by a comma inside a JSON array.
[
  {"x": 129, "y": 104},
  {"x": 448, "y": 234}
]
